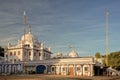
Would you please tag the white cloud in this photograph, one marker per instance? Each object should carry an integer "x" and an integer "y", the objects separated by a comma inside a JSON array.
[
  {"x": 4, "y": 41},
  {"x": 7, "y": 39}
]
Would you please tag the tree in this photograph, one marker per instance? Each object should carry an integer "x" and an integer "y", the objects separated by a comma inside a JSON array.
[
  {"x": 97, "y": 55},
  {"x": 114, "y": 60},
  {"x": 1, "y": 51}
]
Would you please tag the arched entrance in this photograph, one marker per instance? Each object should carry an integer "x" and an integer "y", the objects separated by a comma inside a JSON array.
[
  {"x": 71, "y": 71},
  {"x": 40, "y": 69}
]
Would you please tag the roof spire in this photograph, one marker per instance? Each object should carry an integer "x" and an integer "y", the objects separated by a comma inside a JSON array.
[
  {"x": 29, "y": 28},
  {"x": 24, "y": 13}
]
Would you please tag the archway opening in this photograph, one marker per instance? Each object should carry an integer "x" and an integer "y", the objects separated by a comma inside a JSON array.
[{"x": 40, "y": 69}]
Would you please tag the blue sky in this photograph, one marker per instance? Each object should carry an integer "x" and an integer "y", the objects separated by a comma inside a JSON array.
[{"x": 60, "y": 23}]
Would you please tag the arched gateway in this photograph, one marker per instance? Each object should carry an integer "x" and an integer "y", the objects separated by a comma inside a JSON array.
[{"x": 40, "y": 69}]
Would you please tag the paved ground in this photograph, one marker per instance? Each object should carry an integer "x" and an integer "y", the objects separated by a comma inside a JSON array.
[{"x": 56, "y": 77}]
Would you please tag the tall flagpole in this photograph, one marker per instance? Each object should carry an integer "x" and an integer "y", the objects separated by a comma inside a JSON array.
[
  {"x": 24, "y": 50},
  {"x": 106, "y": 37}
]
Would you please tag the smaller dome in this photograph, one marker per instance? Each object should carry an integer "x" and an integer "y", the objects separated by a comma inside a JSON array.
[
  {"x": 59, "y": 54},
  {"x": 73, "y": 53}
]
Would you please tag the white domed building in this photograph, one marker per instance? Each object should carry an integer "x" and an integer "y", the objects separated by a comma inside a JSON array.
[
  {"x": 38, "y": 59},
  {"x": 31, "y": 55},
  {"x": 35, "y": 51}
]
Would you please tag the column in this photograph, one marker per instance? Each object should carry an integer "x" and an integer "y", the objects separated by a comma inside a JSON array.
[
  {"x": 9, "y": 68},
  {"x": 0, "y": 69},
  {"x": 48, "y": 69},
  {"x": 55, "y": 69},
  {"x": 3, "y": 68},
  {"x": 21, "y": 67},
  {"x": 47, "y": 66},
  {"x": 67, "y": 69},
  {"x": 45, "y": 71},
  {"x": 17, "y": 68},
  {"x": 60, "y": 70},
  {"x": 6, "y": 68},
  {"x": 51, "y": 70},
  {"x": 74, "y": 69},
  {"x": 89, "y": 71},
  {"x": 92, "y": 71},
  {"x": 82, "y": 70},
  {"x": 14, "y": 68}
]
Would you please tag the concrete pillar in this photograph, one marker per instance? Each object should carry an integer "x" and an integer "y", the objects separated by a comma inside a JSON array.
[
  {"x": 17, "y": 68},
  {"x": 55, "y": 70},
  {"x": 9, "y": 68},
  {"x": 82, "y": 69},
  {"x": 74, "y": 69},
  {"x": 0, "y": 68},
  {"x": 48, "y": 70},
  {"x": 6, "y": 68},
  {"x": 67, "y": 69},
  {"x": 3, "y": 69},
  {"x": 45, "y": 71},
  {"x": 21, "y": 67},
  {"x": 92, "y": 70},
  {"x": 14, "y": 69},
  {"x": 60, "y": 69}
]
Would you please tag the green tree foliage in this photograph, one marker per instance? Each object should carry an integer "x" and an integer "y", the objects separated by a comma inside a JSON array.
[
  {"x": 1, "y": 51},
  {"x": 97, "y": 55},
  {"x": 114, "y": 59}
]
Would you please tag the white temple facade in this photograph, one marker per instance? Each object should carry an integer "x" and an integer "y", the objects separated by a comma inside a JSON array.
[
  {"x": 34, "y": 57},
  {"x": 38, "y": 60},
  {"x": 29, "y": 48}
]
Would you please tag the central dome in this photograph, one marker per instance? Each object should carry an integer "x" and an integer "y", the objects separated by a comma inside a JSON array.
[{"x": 29, "y": 37}]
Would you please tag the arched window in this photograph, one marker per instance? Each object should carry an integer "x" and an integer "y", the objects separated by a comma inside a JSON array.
[
  {"x": 14, "y": 60},
  {"x": 18, "y": 59},
  {"x": 10, "y": 60},
  {"x": 85, "y": 68},
  {"x": 10, "y": 53},
  {"x": 18, "y": 52},
  {"x": 78, "y": 68},
  {"x": 29, "y": 53},
  {"x": 39, "y": 54},
  {"x": 14, "y": 52}
]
